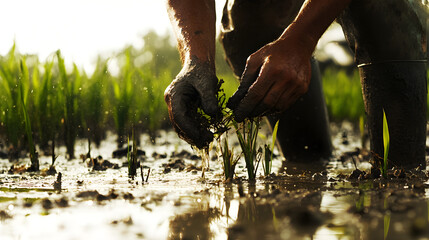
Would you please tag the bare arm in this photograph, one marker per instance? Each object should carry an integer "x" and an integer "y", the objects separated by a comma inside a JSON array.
[
  {"x": 193, "y": 22},
  {"x": 313, "y": 19},
  {"x": 195, "y": 86}
]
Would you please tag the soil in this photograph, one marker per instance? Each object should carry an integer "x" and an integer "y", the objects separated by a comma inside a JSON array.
[{"x": 95, "y": 199}]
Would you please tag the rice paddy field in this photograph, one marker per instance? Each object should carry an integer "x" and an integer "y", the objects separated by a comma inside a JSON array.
[{"x": 93, "y": 156}]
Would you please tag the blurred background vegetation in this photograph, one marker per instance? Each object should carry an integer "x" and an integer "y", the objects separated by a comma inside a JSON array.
[{"x": 124, "y": 92}]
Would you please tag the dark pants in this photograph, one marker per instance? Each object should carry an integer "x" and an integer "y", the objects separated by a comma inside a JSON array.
[{"x": 386, "y": 37}]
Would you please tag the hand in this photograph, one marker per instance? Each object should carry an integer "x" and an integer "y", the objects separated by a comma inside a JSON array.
[
  {"x": 274, "y": 78},
  {"x": 195, "y": 87}
]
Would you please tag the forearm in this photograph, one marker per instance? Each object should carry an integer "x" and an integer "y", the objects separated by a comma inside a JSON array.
[
  {"x": 313, "y": 19},
  {"x": 193, "y": 22}
]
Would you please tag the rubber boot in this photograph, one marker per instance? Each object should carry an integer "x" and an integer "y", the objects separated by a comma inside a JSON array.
[
  {"x": 303, "y": 133},
  {"x": 398, "y": 88}
]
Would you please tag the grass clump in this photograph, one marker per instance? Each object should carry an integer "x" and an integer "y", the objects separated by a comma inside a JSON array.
[
  {"x": 269, "y": 151},
  {"x": 70, "y": 88},
  {"x": 343, "y": 95},
  {"x": 229, "y": 160},
  {"x": 12, "y": 120},
  {"x": 123, "y": 90},
  {"x": 64, "y": 104},
  {"x": 247, "y": 133}
]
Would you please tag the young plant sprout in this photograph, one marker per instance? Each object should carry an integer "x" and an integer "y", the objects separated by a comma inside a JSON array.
[
  {"x": 133, "y": 163},
  {"x": 269, "y": 150},
  {"x": 247, "y": 134},
  {"x": 386, "y": 144},
  {"x": 124, "y": 94},
  {"x": 71, "y": 86},
  {"x": 32, "y": 148},
  {"x": 227, "y": 154}
]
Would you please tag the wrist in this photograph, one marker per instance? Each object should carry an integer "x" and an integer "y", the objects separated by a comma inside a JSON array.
[
  {"x": 301, "y": 41},
  {"x": 194, "y": 63},
  {"x": 192, "y": 58}
]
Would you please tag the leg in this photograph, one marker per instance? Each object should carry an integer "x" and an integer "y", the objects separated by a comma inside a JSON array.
[
  {"x": 400, "y": 90},
  {"x": 303, "y": 133},
  {"x": 389, "y": 47},
  {"x": 247, "y": 26}
]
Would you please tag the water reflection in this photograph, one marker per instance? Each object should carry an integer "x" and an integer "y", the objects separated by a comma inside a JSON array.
[{"x": 300, "y": 207}]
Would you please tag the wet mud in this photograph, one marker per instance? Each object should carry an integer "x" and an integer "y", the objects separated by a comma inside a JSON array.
[{"x": 342, "y": 198}]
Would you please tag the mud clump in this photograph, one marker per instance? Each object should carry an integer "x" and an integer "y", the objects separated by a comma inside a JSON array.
[
  {"x": 87, "y": 194},
  {"x": 62, "y": 202},
  {"x": 49, "y": 171},
  {"x": 159, "y": 155},
  {"x": 123, "y": 152},
  {"x": 47, "y": 204},
  {"x": 185, "y": 154},
  {"x": 175, "y": 163},
  {"x": 99, "y": 164},
  {"x": 356, "y": 174},
  {"x": 4, "y": 215}
]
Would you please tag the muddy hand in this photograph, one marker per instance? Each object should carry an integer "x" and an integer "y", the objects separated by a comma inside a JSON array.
[
  {"x": 194, "y": 87},
  {"x": 274, "y": 78}
]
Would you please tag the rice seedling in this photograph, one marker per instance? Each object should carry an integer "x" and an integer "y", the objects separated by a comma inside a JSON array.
[
  {"x": 153, "y": 114},
  {"x": 247, "y": 134},
  {"x": 269, "y": 151},
  {"x": 133, "y": 163},
  {"x": 70, "y": 89},
  {"x": 44, "y": 104},
  {"x": 32, "y": 148},
  {"x": 123, "y": 90},
  {"x": 93, "y": 103},
  {"x": 229, "y": 160},
  {"x": 386, "y": 144},
  {"x": 12, "y": 120}
]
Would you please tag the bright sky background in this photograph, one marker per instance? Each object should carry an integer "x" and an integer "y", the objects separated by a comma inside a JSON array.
[{"x": 82, "y": 29}]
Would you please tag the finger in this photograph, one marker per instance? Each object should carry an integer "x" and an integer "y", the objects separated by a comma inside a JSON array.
[
  {"x": 259, "y": 110},
  {"x": 254, "y": 97},
  {"x": 186, "y": 121},
  {"x": 287, "y": 99},
  {"x": 269, "y": 102},
  {"x": 249, "y": 76}
]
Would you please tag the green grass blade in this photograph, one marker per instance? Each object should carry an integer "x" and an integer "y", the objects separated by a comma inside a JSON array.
[
  {"x": 33, "y": 155},
  {"x": 276, "y": 128},
  {"x": 386, "y": 143}
]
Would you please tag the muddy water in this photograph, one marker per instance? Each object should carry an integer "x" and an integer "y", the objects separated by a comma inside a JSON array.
[{"x": 298, "y": 202}]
